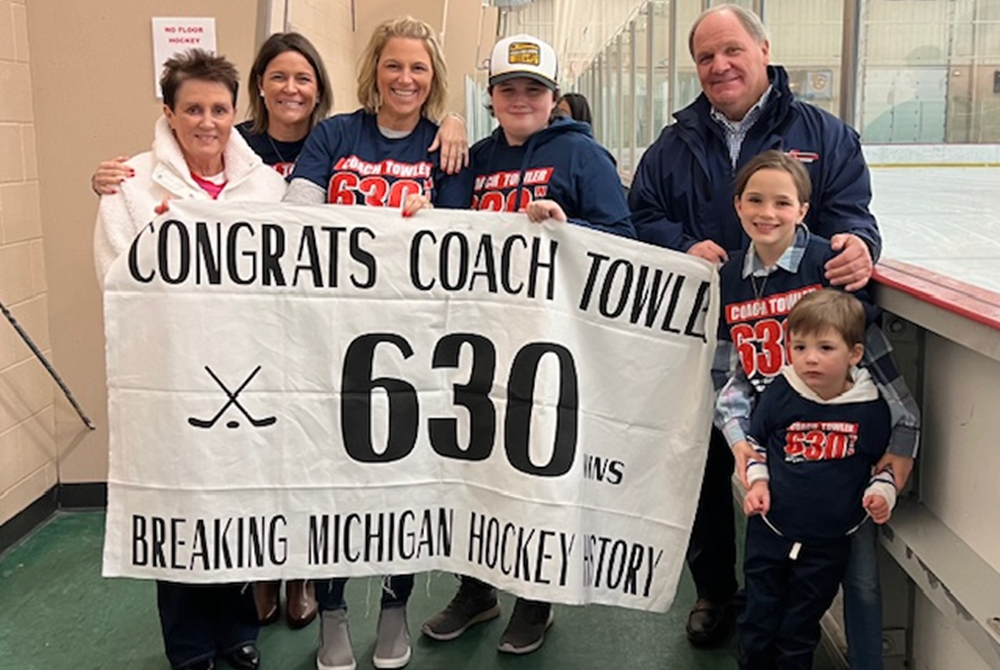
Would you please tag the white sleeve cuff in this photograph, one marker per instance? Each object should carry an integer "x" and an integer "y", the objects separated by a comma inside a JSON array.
[
  {"x": 883, "y": 488},
  {"x": 757, "y": 471}
]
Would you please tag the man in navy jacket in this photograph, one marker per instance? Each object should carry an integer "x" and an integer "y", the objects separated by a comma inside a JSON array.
[{"x": 682, "y": 198}]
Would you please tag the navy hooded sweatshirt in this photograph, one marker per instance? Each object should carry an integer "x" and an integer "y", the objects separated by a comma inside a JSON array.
[
  {"x": 820, "y": 458},
  {"x": 561, "y": 162}
]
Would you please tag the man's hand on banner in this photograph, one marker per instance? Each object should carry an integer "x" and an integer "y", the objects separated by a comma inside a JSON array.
[{"x": 710, "y": 251}]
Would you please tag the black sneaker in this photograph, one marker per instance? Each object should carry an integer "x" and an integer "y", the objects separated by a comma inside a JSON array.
[
  {"x": 526, "y": 629},
  {"x": 474, "y": 603}
]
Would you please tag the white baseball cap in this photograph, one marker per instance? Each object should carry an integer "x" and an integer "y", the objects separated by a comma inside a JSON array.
[{"x": 524, "y": 56}]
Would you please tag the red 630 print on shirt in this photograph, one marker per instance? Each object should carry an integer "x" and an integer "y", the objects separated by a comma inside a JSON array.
[
  {"x": 820, "y": 440},
  {"x": 382, "y": 184},
  {"x": 497, "y": 192},
  {"x": 757, "y": 329}
]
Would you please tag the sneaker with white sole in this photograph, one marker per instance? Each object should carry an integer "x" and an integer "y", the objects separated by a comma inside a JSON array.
[
  {"x": 334, "y": 642},
  {"x": 526, "y": 629},
  {"x": 392, "y": 644},
  {"x": 474, "y": 603}
]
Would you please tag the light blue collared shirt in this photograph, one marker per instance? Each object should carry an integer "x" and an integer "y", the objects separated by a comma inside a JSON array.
[{"x": 736, "y": 131}]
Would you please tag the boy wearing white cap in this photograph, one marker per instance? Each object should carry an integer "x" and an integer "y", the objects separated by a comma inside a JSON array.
[{"x": 548, "y": 168}]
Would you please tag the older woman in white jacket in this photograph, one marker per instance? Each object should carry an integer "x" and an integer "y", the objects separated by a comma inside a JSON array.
[{"x": 195, "y": 155}]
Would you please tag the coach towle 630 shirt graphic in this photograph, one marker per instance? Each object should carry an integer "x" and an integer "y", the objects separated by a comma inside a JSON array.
[
  {"x": 562, "y": 163},
  {"x": 356, "y": 164},
  {"x": 830, "y": 444}
]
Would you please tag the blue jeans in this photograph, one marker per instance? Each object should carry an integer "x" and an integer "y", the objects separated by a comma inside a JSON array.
[
  {"x": 396, "y": 591},
  {"x": 863, "y": 601}
]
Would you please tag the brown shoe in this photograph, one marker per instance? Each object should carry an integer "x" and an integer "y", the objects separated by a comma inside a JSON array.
[
  {"x": 300, "y": 605},
  {"x": 267, "y": 596}
]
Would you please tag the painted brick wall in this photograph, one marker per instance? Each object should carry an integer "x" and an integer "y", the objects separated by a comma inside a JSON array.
[{"x": 27, "y": 441}]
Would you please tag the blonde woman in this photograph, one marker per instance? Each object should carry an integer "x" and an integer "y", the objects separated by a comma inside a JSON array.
[{"x": 402, "y": 86}]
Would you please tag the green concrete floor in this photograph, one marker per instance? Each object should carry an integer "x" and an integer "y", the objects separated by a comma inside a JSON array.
[{"x": 56, "y": 612}]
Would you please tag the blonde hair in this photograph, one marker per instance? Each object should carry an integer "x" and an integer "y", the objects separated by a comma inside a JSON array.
[{"x": 409, "y": 28}]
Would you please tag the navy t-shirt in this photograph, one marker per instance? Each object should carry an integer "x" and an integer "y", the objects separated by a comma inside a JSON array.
[
  {"x": 279, "y": 155},
  {"x": 349, "y": 158}
]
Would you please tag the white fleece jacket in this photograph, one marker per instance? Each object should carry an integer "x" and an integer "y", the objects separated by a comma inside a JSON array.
[{"x": 162, "y": 172}]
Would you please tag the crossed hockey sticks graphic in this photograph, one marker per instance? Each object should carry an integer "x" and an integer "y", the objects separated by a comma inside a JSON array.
[{"x": 256, "y": 423}]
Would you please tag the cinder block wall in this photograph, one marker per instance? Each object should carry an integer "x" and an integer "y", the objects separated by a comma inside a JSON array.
[{"x": 27, "y": 425}]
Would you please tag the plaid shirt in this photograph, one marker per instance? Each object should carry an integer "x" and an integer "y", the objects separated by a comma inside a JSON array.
[
  {"x": 736, "y": 131},
  {"x": 736, "y": 396}
]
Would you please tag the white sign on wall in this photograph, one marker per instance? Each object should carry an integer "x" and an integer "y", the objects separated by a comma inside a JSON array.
[{"x": 174, "y": 34}]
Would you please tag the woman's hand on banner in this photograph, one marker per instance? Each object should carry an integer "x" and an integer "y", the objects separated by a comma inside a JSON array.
[
  {"x": 414, "y": 203},
  {"x": 163, "y": 207}
]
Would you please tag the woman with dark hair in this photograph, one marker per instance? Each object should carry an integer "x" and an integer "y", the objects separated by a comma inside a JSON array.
[
  {"x": 195, "y": 155},
  {"x": 576, "y": 107},
  {"x": 289, "y": 93},
  {"x": 292, "y": 95}
]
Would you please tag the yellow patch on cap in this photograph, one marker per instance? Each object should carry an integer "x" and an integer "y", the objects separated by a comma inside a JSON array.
[{"x": 524, "y": 53}]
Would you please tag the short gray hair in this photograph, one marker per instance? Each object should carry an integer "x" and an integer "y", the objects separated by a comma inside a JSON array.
[{"x": 750, "y": 21}]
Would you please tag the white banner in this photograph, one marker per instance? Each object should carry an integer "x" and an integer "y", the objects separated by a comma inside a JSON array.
[{"x": 337, "y": 391}]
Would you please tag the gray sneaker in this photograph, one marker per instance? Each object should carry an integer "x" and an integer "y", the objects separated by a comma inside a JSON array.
[
  {"x": 392, "y": 646},
  {"x": 474, "y": 603},
  {"x": 334, "y": 642},
  {"x": 526, "y": 629}
]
